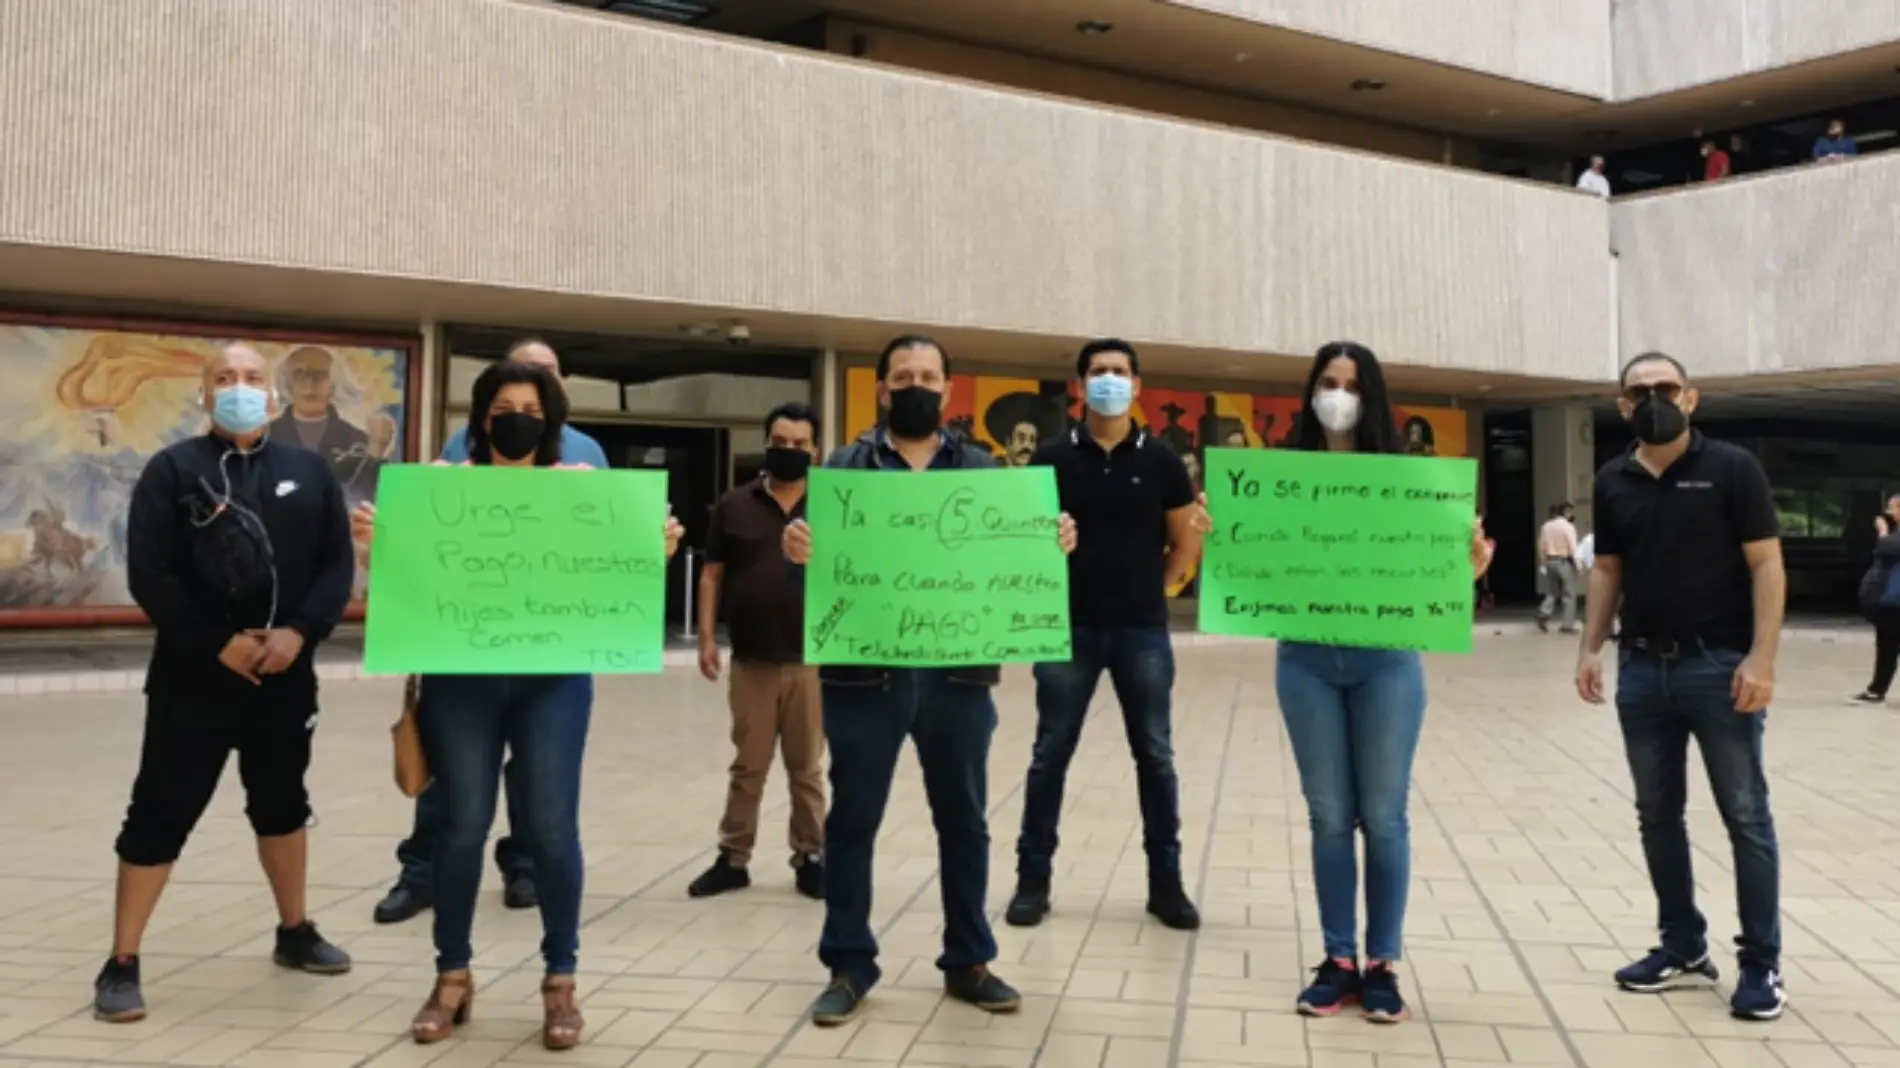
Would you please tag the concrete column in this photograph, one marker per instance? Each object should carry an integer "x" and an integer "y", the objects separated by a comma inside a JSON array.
[
  {"x": 1563, "y": 460},
  {"x": 429, "y": 374},
  {"x": 830, "y": 399}
]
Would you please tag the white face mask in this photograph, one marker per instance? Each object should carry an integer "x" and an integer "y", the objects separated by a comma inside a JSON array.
[{"x": 1336, "y": 409}]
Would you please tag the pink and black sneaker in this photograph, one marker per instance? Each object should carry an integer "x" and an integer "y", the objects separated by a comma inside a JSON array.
[{"x": 1335, "y": 985}]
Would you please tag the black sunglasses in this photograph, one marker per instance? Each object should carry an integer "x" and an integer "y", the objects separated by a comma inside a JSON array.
[{"x": 1668, "y": 391}]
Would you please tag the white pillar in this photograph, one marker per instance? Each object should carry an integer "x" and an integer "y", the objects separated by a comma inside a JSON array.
[
  {"x": 1563, "y": 460},
  {"x": 830, "y": 405},
  {"x": 428, "y": 375}
]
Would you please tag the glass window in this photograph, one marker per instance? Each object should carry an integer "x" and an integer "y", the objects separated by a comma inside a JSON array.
[{"x": 1792, "y": 506}]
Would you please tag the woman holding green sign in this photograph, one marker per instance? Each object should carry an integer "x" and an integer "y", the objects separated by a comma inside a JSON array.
[
  {"x": 516, "y": 416},
  {"x": 1353, "y": 716}
]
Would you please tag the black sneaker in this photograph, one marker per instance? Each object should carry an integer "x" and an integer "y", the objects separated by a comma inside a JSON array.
[
  {"x": 980, "y": 987},
  {"x": 719, "y": 879},
  {"x": 1868, "y": 697},
  {"x": 403, "y": 902},
  {"x": 1662, "y": 970},
  {"x": 1030, "y": 905},
  {"x": 1169, "y": 903},
  {"x": 1379, "y": 994},
  {"x": 1758, "y": 993},
  {"x": 116, "y": 995},
  {"x": 519, "y": 892},
  {"x": 1335, "y": 985},
  {"x": 302, "y": 949},
  {"x": 808, "y": 875},
  {"x": 838, "y": 1005}
]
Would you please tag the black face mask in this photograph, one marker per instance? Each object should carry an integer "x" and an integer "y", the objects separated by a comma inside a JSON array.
[
  {"x": 916, "y": 412},
  {"x": 1655, "y": 421},
  {"x": 787, "y": 465},
  {"x": 515, "y": 435}
]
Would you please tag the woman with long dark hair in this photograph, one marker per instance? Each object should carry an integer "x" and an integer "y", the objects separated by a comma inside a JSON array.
[
  {"x": 516, "y": 413},
  {"x": 1353, "y": 716}
]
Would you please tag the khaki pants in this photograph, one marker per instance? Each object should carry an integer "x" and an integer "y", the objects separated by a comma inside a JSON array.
[{"x": 774, "y": 704}]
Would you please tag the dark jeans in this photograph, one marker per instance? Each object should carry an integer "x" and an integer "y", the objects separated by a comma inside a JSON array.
[
  {"x": 1886, "y": 649},
  {"x": 951, "y": 724},
  {"x": 1140, "y": 665},
  {"x": 1662, "y": 703},
  {"x": 416, "y": 853},
  {"x": 467, "y": 722}
]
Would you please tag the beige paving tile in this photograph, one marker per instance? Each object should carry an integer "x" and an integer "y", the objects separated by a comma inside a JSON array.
[{"x": 1528, "y": 890}]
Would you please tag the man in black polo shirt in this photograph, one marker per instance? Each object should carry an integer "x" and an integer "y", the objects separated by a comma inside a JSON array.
[
  {"x": 1134, "y": 498},
  {"x": 1688, "y": 539},
  {"x": 773, "y": 695}
]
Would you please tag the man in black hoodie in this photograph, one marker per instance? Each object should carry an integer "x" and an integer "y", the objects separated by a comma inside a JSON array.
[{"x": 238, "y": 548}]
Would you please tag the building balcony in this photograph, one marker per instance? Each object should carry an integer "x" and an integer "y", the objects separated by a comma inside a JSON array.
[{"x": 526, "y": 164}]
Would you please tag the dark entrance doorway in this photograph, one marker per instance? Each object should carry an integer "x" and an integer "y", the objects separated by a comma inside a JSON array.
[
  {"x": 1510, "y": 514},
  {"x": 696, "y": 466}
]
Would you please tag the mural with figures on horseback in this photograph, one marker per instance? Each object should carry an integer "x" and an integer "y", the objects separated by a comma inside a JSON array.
[{"x": 84, "y": 405}]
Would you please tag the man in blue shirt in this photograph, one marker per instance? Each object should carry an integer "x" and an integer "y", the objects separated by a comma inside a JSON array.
[
  {"x": 414, "y": 890},
  {"x": 1836, "y": 145}
]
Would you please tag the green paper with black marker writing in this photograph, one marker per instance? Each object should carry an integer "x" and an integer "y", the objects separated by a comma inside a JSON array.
[
  {"x": 935, "y": 568},
  {"x": 1340, "y": 548}
]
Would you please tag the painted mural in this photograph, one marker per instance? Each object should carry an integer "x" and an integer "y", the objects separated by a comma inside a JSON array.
[
  {"x": 82, "y": 409},
  {"x": 1011, "y": 415}
]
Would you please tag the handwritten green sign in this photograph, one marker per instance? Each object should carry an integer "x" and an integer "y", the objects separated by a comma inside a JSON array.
[
  {"x": 1340, "y": 548},
  {"x": 516, "y": 571},
  {"x": 935, "y": 568}
]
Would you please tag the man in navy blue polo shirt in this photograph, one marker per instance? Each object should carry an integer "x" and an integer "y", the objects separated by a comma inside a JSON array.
[
  {"x": 1688, "y": 540},
  {"x": 1133, "y": 495},
  {"x": 869, "y": 711}
]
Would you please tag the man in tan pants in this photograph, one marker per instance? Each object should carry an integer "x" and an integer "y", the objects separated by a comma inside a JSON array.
[{"x": 774, "y": 696}]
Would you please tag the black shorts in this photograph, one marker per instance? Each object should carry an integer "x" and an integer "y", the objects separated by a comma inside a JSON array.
[{"x": 187, "y": 743}]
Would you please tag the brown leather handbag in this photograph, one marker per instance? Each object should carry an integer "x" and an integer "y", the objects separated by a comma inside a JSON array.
[{"x": 412, "y": 764}]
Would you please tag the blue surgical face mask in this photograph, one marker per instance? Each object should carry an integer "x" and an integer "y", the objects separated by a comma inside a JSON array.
[
  {"x": 1110, "y": 395},
  {"x": 240, "y": 409}
]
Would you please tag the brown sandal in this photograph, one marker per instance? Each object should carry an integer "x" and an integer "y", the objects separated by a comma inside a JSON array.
[
  {"x": 561, "y": 1028},
  {"x": 440, "y": 1015}
]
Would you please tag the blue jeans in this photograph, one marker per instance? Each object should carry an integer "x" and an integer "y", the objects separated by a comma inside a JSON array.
[
  {"x": 1140, "y": 665},
  {"x": 467, "y": 722},
  {"x": 1661, "y": 704},
  {"x": 865, "y": 726},
  {"x": 416, "y": 853},
  {"x": 1354, "y": 716}
]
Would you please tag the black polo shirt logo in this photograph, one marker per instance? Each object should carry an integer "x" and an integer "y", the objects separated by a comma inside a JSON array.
[{"x": 1683, "y": 483}]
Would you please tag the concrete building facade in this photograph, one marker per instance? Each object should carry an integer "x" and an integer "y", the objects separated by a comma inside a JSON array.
[{"x": 708, "y": 219}]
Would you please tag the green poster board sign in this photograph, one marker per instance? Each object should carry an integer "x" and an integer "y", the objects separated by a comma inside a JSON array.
[
  {"x": 935, "y": 568},
  {"x": 1340, "y": 548},
  {"x": 516, "y": 571}
]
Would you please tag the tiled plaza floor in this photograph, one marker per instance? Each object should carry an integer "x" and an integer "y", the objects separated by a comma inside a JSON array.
[{"x": 1528, "y": 890}]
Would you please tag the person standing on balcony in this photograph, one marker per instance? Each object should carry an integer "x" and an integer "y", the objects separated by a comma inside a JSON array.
[
  {"x": 1689, "y": 542},
  {"x": 1136, "y": 499},
  {"x": 1594, "y": 181},
  {"x": 1715, "y": 162},
  {"x": 1835, "y": 144},
  {"x": 773, "y": 695}
]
